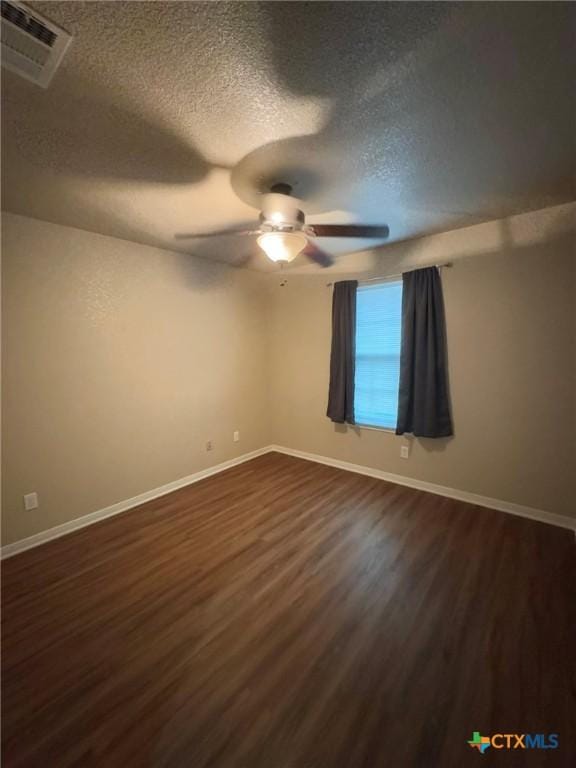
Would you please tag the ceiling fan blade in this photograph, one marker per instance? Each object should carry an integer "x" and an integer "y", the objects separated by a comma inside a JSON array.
[
  {"x": 217, "y": 233},
  {"x": 351, "y": 230},
  {"x": 243, "y": 260},
  {"x": 317, "y": 255}
]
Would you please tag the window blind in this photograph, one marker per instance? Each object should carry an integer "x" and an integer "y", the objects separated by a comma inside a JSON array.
[{"x": 378, "y": 333}]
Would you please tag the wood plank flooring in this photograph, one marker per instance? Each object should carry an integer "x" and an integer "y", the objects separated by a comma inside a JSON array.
[{"x": 285, "y": 614}]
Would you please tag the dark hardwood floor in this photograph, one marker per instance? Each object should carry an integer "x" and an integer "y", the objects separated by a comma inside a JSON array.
[{"x": 285, "y": 614}]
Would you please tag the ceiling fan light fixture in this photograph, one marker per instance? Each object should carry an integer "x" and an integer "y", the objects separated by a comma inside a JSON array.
[{"x": 282, "y": 247}]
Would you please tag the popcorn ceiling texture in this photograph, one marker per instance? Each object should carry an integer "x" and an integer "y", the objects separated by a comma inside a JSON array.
[{"x": 170, "y": 117}]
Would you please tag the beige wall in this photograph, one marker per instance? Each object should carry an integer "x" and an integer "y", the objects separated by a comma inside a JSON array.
[
  {"x": 510, "y": 307},
  {"x": 119, "y": 362}
]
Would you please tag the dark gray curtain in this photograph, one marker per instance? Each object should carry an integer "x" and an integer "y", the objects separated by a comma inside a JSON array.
[
  {"x": 342, "y": 357},
  {"x": 423, "y": 401}
]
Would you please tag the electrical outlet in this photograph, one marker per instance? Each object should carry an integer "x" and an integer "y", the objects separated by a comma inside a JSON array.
[
  {"x": 405, "y": 451},
  {"x": 209, "y": 445},
  {"x": 236, "y": 436},
  {"x": 30, "y": 501}
]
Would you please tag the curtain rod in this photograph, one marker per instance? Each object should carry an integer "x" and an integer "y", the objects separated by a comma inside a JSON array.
[{"x": 388, "y": 277}]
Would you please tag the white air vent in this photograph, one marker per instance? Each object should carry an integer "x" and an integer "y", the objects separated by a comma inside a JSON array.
[{"x": 32, "y": 46}]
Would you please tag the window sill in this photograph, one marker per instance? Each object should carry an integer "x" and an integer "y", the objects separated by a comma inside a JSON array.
[{"x": 391, "y": 430}]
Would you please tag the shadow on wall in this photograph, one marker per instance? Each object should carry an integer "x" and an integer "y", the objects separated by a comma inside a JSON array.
[{"x": 202, "y": 274}]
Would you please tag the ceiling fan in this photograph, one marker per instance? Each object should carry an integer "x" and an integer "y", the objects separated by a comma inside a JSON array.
[{"x": 283, "y": 232}]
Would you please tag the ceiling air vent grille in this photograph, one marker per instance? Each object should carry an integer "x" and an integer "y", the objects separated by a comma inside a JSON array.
[{"x": 32, "y": 46}]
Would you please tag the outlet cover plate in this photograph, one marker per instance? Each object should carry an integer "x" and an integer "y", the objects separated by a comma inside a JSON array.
[{"x": 30, "y": 501}]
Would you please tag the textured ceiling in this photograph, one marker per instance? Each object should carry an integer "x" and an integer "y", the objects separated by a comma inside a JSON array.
[{"x": 170, "y": 117}]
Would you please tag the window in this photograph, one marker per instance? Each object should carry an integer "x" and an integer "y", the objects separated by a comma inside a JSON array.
[{"x": 378, "y": 328}]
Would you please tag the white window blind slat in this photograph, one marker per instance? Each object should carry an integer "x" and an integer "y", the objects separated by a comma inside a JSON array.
[{"x": 378, "y": 333}]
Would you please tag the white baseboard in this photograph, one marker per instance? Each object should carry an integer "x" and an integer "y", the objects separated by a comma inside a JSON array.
[
  {"x": 123, "y": 506},
  {"x": 441, "y": 490},
  {"x": 422, "y": 485}
]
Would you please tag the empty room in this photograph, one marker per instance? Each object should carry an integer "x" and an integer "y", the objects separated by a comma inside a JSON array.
[{"x": 288, "y": 384}]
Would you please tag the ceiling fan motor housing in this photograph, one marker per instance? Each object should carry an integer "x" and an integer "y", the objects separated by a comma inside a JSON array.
[{"x": 282, "y": 212}]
